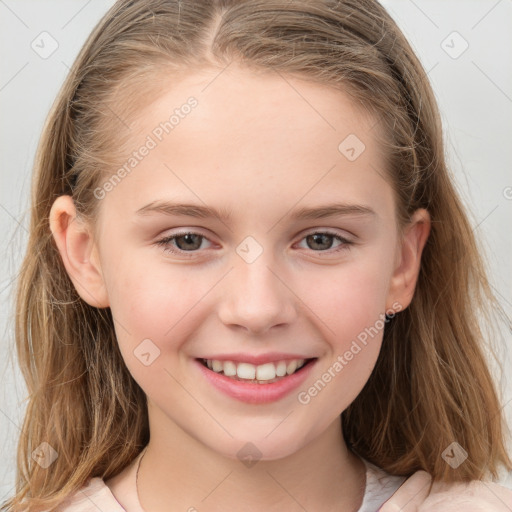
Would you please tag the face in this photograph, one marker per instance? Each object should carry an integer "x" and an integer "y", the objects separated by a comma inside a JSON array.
[{"x": 276, "y": 273}]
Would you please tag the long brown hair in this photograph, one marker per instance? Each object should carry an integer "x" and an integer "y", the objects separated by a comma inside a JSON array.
[{"x": 431, "y": 385}]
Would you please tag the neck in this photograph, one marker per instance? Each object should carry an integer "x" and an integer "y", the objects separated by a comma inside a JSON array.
[{"x": 178, "y": 472}]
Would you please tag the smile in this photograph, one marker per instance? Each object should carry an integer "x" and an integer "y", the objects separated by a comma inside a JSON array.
[
  {"x": 263, "y": 373},
  {"x": 255, "y": 384}
]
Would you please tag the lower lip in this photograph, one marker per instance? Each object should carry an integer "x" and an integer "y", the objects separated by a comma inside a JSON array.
[{"x": 256, "y": 393}]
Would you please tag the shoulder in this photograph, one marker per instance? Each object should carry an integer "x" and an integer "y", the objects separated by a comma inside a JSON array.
[
  {"x": 474, "y": 496},
  {"x": 477, "y": 495},
  {"x": 92, "y": 497},
  {"x": 380, "y": 486}
]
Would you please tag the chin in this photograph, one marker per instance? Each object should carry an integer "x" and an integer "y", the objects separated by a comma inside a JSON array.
[{"x": 253, "y": 447}]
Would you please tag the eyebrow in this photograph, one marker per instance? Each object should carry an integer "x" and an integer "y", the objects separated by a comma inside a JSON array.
[{"x": 305, "y": 213}]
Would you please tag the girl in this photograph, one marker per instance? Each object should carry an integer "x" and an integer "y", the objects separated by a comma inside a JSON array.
[{"x": 250, "y": 282}]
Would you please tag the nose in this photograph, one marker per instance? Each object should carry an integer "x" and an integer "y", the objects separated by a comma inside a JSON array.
[{"x": 256, "y": 298}]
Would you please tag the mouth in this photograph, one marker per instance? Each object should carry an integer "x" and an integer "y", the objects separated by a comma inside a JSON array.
[{"x": 267, "y": 373}]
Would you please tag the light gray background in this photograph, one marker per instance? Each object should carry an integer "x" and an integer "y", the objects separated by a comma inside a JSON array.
[{"x": 474, "y": 90}]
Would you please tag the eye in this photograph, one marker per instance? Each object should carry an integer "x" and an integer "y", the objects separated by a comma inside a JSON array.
[
  {"x": 322, "y": 241},
  {"x": 181, "y": 243},
  {"x": 190, "y": 242}
]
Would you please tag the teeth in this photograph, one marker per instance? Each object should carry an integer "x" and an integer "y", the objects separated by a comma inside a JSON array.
[
  {"x": 246, "y": 371},
  {"x": 281, "y": 369},
  {"x": 292, "y": 366},
  {"x": 229, "y": 368},
  {"x": 266, "y": 371}
]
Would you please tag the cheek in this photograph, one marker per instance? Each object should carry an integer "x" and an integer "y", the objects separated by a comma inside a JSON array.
[
  {"x": 158, "y": 303},
  {"x": 351, "y": 306},
  {"x": 349, "y": 300},
  {"x": 145, "y": 303}
]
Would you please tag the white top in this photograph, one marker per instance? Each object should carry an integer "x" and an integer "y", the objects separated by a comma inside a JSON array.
[{"x": 96, "y": 495}]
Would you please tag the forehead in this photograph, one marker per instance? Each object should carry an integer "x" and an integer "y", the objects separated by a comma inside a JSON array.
[
  {"x": 254, "y": 138},
  {"x": 264, "y": 105}
]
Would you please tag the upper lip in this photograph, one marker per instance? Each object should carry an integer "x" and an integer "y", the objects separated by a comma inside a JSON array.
[{"x": 271, "y": 357}]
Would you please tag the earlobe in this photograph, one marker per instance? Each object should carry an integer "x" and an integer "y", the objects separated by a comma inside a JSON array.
[
  {"x": 405, "y": 276},
  {"x": 78, "y": 252}
]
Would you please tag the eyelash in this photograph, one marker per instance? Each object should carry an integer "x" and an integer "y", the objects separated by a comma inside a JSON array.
[{"x": 164, "y": 242}]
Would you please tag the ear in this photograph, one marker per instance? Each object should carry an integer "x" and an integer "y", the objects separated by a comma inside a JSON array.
[
  {"x": 405, "y": 275},
  {"x": 78, "y": 251}
]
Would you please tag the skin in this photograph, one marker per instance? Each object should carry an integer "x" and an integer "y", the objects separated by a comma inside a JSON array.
[
  {"x": 475, "y": 496},
  {"x": 260, "y": 146}
]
